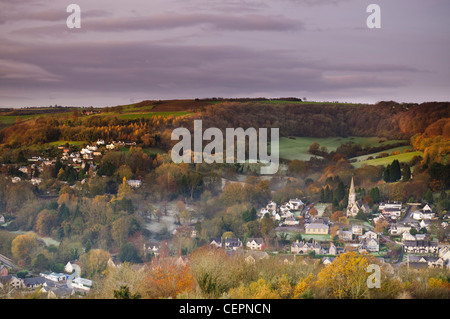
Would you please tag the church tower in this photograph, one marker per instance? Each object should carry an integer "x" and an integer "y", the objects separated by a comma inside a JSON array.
[{"x": 352, "y": 206}]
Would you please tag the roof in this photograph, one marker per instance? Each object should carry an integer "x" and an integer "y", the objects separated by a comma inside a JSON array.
[
  {"x": 259, "y": 241},
  {"x": 34, "y": 281},
  {"x": 316, "y": 225}
]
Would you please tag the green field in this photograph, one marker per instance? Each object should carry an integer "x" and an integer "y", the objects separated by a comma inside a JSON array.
[
  {"x": 298, "y": 147},
  {"x": 403, "y": 157}
]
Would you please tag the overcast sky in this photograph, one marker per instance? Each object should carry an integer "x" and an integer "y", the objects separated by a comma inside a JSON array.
[{"x": 128, "y": 51}]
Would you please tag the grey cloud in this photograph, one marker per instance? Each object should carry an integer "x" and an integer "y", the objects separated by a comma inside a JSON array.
[
  {"x": 163, "y": 69},
  {"x": 249, "y": 22}
]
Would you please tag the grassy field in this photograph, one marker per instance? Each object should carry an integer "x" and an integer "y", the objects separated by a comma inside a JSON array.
[
  {"x": 403, "y": 157},
  {"x": 297, "y": 148},
  {"x": 400, "y": 149}
]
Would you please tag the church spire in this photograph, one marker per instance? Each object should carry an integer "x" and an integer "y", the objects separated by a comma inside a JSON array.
[
  {"x": 352, "y": 208},
  {"x": 352, "y": 188}
]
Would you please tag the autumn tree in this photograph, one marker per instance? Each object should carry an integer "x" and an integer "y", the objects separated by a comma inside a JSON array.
[
  {"x": 23, "y": 247},
  {"x": 347, "y": 276},
  {"x": 337, "y": 215},
  {"x": 94, "y": 262},
  {"x": 167, "y": 280}
]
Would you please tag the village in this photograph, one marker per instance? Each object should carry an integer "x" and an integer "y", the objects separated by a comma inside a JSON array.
[
  {"x": 404, "y": 239},
  {"x": 77, "y": 157},
  {"x": 316, "y": 236}
]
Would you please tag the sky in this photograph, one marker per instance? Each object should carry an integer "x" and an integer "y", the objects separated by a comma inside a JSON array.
[{"x": 134, "y": 50}]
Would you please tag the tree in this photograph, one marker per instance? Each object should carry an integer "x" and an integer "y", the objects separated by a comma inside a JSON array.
[
  {"x": 336, "y": 216},
  {"x": 394, "y": 171},
  {"x": 46, "y": 221},
  {"x": 94, "y": 262},
  {"x": 313, "y": 212},
  {"x": 124, "y": 293},
  {"x": 167, "y": 280},
  {"x": 23, "y": 247},
  {"x": 340, "y": 191},
  {"x": 347, "y": 276},
  {"x": 428, "y": 197},
  {"x": 406, "y": 173},
  {"x": 375, "y": 194},
  {"x": 128, "y": 253}
]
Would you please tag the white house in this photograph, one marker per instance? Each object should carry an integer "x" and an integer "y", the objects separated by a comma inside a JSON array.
[
  {"x": 271, "y": 206},
  {"x": 216, "y": 242},
  {"x": 290, "y": 221},
  {"x": 398, "y": 229},
  {"x": 82, "y": 283},
  {"x": 233, "y": 243},
  {"x": 357, "y": 230},
  {"x": 135, "y": 183},
  {"x": 110, "y": 146},
  {"x": 370, "y": 234},
  {"x": 295, "y": 204},
  {"x": 54, "y": 276},
  {"x": 255, "y": 243}
]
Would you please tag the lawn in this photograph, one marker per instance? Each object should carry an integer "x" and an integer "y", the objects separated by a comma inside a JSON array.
[{"x": 297, "y": 148}]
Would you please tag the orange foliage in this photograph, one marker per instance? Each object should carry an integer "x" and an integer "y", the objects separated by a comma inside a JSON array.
[{"x": 167, "y": 281}]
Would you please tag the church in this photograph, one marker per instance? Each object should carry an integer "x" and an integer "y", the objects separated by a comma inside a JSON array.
[{"x": 355, "y": 206}]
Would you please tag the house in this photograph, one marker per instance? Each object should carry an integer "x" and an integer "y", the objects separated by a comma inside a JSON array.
[
  {"x": 36, "y": 181},
  {"x": 55, "y": 292},
  {"x": 302, "y": 247},
  {"x": 33, "y": 282},
  {"x": 317, "y": 229},
  {"x": 369, "y": 245},
  {"x": 12, "y": 281},
  {"x": 255, "y": 244},
  {"x": 290, "y": 221},
  {"x": 271, "y": 206},
  {"x": 252, "y": 257},
  {"x": 54, "y": 276},
  {"x": 3, "y": 271},
  {"x": 82, "y": 283},
  {"x": 389, "y": 205},
  {"x": 420, "y": 247},
  {"x": 295, "y": 204},
  {"x": 370, "y": 234},
  {"x": 100, "y": 142},
  {"x": 135, "y": 183},
  {"x": 444, "y": 253},
  {"x": 345, "y": 235},
  {"x": 216, "y": 242},
  {"x": 333, "y": 250},
  {"x": 392, "y": 212},
  {"x": 233, "y": 243},
  {"x": 424, "y": 261},
  {"x": 110, "y": 146},
  {"x": 15, "y": 179},
  {"x": 357, "y": 230},
  {"x": 286, "y": 259},
  {"x": 399, "y": 228},
  {"x": 425, "y": 224},
  {"x": 2, "y": 219},
  {"x": 327, "y": 260},
  {"x": 68, "y": 268}
]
